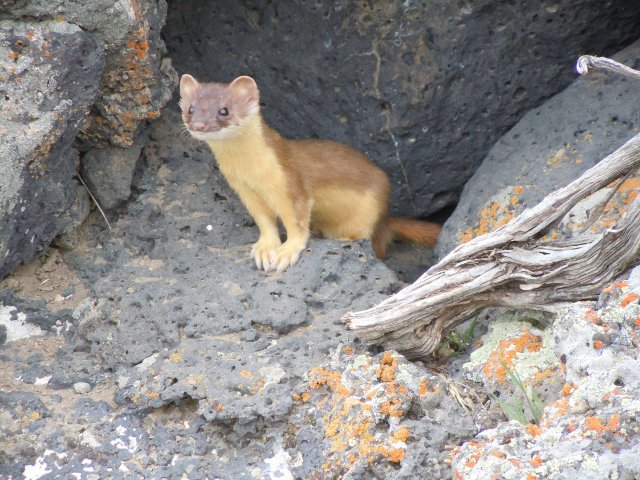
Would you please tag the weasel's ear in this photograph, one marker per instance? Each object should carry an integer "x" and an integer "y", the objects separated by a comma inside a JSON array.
[
  {"x": 188, "y": 84},
  {"x": 246, "y": 87}
]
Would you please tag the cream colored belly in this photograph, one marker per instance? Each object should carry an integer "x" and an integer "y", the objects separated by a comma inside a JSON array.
[{"x": 344, "y": 213}]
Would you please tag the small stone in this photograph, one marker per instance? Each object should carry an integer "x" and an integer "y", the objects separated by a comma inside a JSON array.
[
  {"x": 81, "y": 387},
  {"x": 250, "y": 335}
]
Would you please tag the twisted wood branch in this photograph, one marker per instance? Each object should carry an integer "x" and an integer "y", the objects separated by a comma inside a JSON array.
[{"x": 512, "y": 266}]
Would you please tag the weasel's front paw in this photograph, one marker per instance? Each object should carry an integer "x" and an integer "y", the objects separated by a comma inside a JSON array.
[
  {"x": 264, "y": 252},
  {"x": 287, "y": 254}
]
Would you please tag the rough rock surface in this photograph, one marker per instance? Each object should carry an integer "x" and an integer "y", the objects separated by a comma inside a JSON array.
[
  {"x": 589, "y": 120},
  {"x": 590, "y": 429},
  {"x": 81, "y": 73},
  {"x": 517, "y": 343},
  {"x": 157, "y": 349},
  {"x": 49, "y": 75},
  {"x": 136, "y": 83},
  {"x": 108, "y": 172},
  {"x": 423, "y": 88}
]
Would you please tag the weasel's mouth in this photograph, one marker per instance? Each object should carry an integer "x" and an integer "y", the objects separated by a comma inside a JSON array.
[{"x": 214, "y": 133}]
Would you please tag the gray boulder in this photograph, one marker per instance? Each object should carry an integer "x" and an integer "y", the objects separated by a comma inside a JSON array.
[
  {"x": 136, "y": 83},
  {"x": 423, "y": 88},
  {"x": 90, "y": 82},
  {"x": 50, "y": 73},
  {"x": 108, "y": 173},
  {"x": 551, "y": 146}
]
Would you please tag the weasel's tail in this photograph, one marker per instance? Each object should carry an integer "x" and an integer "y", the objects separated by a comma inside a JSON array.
[{"x": 415, "y": 231}]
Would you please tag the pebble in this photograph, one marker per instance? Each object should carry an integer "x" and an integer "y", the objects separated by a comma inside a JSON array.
[{"x": 81, "y": 387}]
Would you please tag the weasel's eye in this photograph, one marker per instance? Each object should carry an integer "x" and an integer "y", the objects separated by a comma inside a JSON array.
[
  {"x": 190, "y": 109},
  {"x": 223, "y": 112}
]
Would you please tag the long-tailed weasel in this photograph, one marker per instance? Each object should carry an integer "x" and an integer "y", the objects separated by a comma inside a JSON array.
[{"x": 318, "y": 185}]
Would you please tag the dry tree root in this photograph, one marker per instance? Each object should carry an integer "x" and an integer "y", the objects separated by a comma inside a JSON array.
[{"x": 513, "y": 266}]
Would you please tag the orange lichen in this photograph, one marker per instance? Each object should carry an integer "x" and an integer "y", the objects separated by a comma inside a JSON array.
[
  {"x": 472, "y": 460},
  {"x": 591, "y": 316},
  {"x": 536, "y": 461},
  {"x": 258, "y": 386},
  {"x": 554, "y": 410},
  {"x": 394, "y": 388},
  {"x": 346, "y": 427},
  {"x": 632, "y": 297},
  {"x": 560, "y": 155},
  {"x": 347, "y": 351},
  {"x": 13, "y": 55},
  {"x": 302, "y": 397},
  {"x": 466, "y": 235},
  {"x": 394, "y": 455},
  {"x": 494, "y": 215},
  {"x": 567, "y": 389},
  {"x": 330, "y": 378},
  {"x": 631, "y": 197},
  {"x": 245, "y": 373},
  {"x": 31, "y": 418},
  {"x": 386, "y": 372},
  {"x": 546, "y": 373},
  {"x": 153, "y": 395},
  {"x": 498, "y": 453},
  {"x": 534, "y": 430},
  {"x": 607, "y": 396},
  {"x": 630, "y": 184},
  {"x": 561, "y": 405},
  {"x": 506, "y": 351},
  {"x": 425, "y": 387},
  {"x": 392, "y": 408},
  {"x": 175, "y": 357},
  {"x": 531, "y": 476},
  {"x": 140, "y": 47},
  {"x": 595, "y": 424},
  {"x": 400, "y": 435},
  {"x": 597, "y": 344},
  {"x": 350, "y": 420}
]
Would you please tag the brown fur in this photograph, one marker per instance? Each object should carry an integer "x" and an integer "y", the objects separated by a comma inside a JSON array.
[{"x": 321, "y": 185}]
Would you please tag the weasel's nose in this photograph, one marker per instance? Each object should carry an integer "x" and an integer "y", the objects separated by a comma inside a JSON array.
[{"x": 198, "y": 126}]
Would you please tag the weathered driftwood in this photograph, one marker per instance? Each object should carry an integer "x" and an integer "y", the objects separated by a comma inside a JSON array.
[
  {"x": 512, "y": 266},
  {"x": 585, "y": 62}
]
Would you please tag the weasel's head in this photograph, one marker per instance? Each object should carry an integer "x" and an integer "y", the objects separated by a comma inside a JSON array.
[{"x": 216, "y": 111}]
